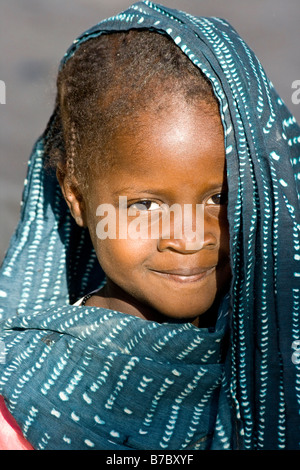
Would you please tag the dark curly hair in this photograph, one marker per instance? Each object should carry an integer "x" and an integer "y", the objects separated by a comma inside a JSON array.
[{"x": 109, "y": 78}]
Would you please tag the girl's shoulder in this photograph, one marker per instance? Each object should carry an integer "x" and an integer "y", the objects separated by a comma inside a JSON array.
[
  {"x": 84, "y": 299},
  {"x": 11, "y": 437}
]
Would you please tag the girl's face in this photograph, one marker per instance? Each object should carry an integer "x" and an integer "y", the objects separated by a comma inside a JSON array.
[{"x": 173, "y": 157}]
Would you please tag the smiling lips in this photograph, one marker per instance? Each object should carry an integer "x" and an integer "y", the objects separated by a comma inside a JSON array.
[{"x": 186, "y": 275}]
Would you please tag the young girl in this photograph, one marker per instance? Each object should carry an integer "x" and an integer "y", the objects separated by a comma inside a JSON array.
[{"x": 178, "y": 345}]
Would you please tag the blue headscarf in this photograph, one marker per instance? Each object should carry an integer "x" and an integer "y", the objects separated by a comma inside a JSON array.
[{"x": 82, "y": 377}]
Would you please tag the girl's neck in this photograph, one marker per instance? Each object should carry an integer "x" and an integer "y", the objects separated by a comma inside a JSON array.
[{"x": 113, "y": 298}]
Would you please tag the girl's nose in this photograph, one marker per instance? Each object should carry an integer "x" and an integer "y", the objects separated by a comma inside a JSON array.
[
  {"x": 182, "y": 245},
  {"x": 185, "y": 236}
]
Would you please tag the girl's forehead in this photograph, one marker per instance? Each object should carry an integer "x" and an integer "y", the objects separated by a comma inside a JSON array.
[
  {"x": 179, "y": 129},
  {"x": 183, "y": 146}
]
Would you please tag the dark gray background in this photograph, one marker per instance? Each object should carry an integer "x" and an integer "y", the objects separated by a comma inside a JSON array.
[{"x": 34, "y": 35}]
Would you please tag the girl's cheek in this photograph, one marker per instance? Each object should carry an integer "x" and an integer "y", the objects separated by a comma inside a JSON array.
[{"x": 124, "y": 251}]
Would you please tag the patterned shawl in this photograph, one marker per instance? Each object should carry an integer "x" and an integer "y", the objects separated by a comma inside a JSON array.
[{"x": 81, "y": 377}]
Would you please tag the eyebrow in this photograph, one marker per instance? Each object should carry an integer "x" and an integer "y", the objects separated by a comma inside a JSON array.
[
  {"x": 223, "y": 186},
  {"x": 131, "y": 188}
]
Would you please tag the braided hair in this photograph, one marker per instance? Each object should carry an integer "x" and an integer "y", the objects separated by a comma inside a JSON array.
[{"x": 109, "y": 78}]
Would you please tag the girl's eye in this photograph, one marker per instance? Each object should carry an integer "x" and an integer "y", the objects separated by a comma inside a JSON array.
[
  {"x": 218, "y": 199},
  {"x": 145, "y": 206}
]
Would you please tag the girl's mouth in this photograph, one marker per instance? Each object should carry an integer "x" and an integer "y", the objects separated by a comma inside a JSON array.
[{"x": 186, "y": 275}]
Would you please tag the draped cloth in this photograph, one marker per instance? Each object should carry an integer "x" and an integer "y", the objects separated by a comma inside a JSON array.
[{"x": 81, "y": 377}]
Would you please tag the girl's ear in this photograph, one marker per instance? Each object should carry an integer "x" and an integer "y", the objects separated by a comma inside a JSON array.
[{"x": 70, "y": 189}]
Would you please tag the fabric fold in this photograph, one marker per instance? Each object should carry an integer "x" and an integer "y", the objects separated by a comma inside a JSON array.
[{"x": 96, "y": 378}]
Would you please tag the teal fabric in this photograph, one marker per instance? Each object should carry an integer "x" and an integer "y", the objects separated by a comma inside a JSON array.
[
  {"x": 51, "y": 347},
  {"x": 87, "y": 378}
]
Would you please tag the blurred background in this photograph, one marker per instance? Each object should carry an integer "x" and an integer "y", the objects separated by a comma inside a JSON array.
[{"x": 34, "y": 35}]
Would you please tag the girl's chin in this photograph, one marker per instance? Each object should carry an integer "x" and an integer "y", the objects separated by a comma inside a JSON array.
[{"x": 194, "y": 314}]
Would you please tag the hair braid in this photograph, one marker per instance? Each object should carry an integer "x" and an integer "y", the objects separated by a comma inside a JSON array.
[{"x": 109, "y": 78}]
